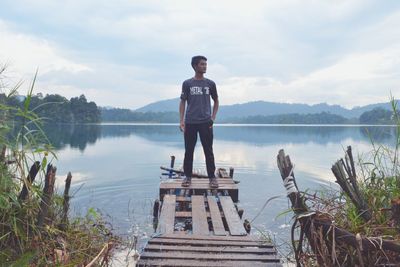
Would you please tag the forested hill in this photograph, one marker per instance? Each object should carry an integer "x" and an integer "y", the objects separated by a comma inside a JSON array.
[
  {"x": 58, "y": 109},
  {"x": 265, "y": 108}
]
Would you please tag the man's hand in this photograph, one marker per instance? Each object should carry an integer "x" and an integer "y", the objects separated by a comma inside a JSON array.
[
  {"x": 182, "y": 126},
  {"x": 212, "y": 121}
]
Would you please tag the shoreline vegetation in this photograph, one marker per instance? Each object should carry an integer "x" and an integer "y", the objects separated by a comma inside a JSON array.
[
  {"x": 358, "y": 225},
  {"x": 35, "y": 226},
  {"x": 55, "y": 108}
]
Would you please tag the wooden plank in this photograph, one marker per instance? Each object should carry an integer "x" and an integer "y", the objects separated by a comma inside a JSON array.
[
  {"x": 221, "y": 186},
  {"x": 247, "y": 238},
  {"x": 200, "y": 181},
  {"x": 196, "y": 242},
  {"x": 209, "y": 256},
  {"x": 188, "y": 214},
  {"x": 232, "y": 217},
  {"x": 199, "y": 216},
  {"x": 218, "y": 225},
  {"x": 223, "y": 173},
  {"x": 167, "y": 217},
  {"x": 183, "y": 199},
  {"x": 204, "y": 263},
  {"x": 250, "y": 250},
  {"x": 234, "y": 193}
]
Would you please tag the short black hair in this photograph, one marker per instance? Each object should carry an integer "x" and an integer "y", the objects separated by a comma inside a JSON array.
[{"x": 196, "y": 60}]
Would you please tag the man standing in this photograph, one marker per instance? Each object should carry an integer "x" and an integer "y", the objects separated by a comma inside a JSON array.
[{"x": 199, "y": 119}]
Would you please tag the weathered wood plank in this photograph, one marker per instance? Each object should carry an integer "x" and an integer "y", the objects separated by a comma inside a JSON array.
[
  {"x": 232, "y": 217},
  {"x": 209, "y": 256},
  {"x": 178, "y": 235},
  {"x": 222, "y": 249},
  {"x": 167, "y": 217},
  {"x": 201, "y": 181},
  {"x": 234, "y": 193},
  {"x": 196, "y": 242},
  {"x": 218, "y": 225},
  {"x": 223, "y": 173},
  {"x": 199, "y": 216},
  {"x": 187, "y": 214},
  {"x": 167, "y": 262}
]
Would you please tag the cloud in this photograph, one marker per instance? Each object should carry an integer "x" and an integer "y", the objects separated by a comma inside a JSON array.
[
  {"x": 357, "y": 79},
  {"x": 25, "y": 53},
  {"x": 133, "y": 52}
]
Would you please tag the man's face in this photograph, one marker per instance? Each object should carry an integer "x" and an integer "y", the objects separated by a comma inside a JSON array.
[{"x": 202, "y": 66}]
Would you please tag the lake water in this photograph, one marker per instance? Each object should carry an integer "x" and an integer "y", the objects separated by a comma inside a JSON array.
[{"x": 115, "y": 167}]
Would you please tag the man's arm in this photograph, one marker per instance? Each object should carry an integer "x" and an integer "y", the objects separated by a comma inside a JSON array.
[
  {"x": 182, "y": 114},
  {"x": 215, "y": 109}
]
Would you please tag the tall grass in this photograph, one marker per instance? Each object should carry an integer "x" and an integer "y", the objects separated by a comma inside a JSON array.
[{"x": 22, "y": 242}]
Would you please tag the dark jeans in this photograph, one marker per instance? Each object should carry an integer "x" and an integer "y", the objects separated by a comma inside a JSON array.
[{"x": 206, "y": 138}]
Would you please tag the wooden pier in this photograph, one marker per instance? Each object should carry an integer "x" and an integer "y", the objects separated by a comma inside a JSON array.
[{"x": 200, "y": 226}]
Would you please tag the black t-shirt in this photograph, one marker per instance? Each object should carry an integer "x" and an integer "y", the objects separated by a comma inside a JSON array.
[{"x": 197, "y": 93}]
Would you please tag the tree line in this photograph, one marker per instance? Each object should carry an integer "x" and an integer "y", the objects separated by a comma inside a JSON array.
[
  {"x": 54, "y": 108},
  {"x": 375, "y": 116}
]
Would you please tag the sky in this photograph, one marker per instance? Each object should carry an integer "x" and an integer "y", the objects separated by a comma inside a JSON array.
[{"x": 130, "y": 53}]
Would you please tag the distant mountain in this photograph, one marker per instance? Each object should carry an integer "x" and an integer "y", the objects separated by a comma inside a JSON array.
[
  {"x": 161, "y": 106},
  {"x": 264, "y": 108}
]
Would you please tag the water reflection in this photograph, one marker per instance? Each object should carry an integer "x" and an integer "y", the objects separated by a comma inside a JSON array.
[
  {"x": 119, "y": 165},
  {"x": 79, "y": 136}
]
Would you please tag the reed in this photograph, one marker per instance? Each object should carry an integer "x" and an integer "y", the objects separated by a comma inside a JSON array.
[{"x": 34, "y": 229}]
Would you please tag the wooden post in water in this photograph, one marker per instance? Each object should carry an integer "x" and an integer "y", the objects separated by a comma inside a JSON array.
[
  {"x": 64, "y": 221},
  {"x": 171, "y": 166},
  {"x": 231, "y": 170},
  {"x": 298, "y": 203},
  {"x": 156, "y": 209},
  {"x": 29, "y": 180},
  {"x": 48, "y": 190}
]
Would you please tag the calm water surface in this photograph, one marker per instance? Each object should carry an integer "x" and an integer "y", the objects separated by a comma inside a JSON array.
[{"x": 115, "y": 167}]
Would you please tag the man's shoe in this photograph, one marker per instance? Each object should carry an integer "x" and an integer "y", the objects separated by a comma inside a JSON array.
[
  {"x": 186, "y": 182},
  {"x": 213, "y": 183}
]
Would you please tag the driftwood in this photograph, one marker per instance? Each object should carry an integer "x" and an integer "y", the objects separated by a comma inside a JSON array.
[
  {"x": 319, "y": 230},
  {"x": 103, "y": 252},
  {"x": 47, "y": 195},
  {"x": 346, "y": 177},
  {"x": 29, "y": 180}
]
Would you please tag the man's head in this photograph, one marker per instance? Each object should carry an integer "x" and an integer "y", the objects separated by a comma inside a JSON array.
[{"x": 199, "y": 64}]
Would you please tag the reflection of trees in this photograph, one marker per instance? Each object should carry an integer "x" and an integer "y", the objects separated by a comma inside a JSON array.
[
  {"x": 75, "y": 135},
  {"x": 382, "y": 134},
  {"x": 78, "y": 136}
]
